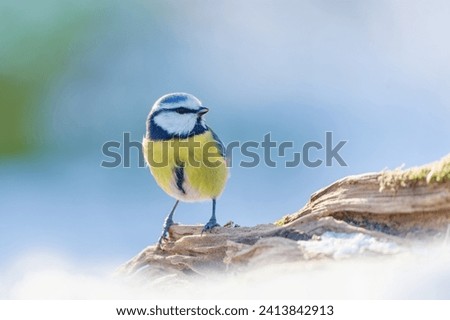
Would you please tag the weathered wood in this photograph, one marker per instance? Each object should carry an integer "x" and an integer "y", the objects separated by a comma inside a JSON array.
[{"x": 394, "y": 206}]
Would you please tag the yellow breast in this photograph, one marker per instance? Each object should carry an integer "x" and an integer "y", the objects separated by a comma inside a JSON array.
[{"x": 202, "y": 171}]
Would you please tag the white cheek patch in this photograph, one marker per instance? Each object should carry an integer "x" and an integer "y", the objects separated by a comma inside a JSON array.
[{"x": 175, "y": 123}]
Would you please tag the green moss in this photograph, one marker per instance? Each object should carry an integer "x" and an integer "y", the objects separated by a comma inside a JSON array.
[
  {"x": 281, "y": 222},
  {"x": 437, "y": 172},
  {"x": 417, "y": 174}
]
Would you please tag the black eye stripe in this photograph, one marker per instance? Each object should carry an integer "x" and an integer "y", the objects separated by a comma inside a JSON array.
[
  {"x": 179, "y": 110},
  {"x": 183, "y": 110}
]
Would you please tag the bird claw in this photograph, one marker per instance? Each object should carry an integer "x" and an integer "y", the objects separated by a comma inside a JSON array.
[
  {"x": 210, "y": 225},
  {"x": 162, "y": 239},
  {"x": 165, "y": 234}
]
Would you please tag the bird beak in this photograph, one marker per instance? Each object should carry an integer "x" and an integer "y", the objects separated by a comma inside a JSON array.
[{"x": 202, "y": 111}]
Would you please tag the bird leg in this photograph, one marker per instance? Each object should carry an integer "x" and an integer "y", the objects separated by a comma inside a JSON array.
[
  {"x": 212, "y": 223},
  {"x": 167, "y": 224}
]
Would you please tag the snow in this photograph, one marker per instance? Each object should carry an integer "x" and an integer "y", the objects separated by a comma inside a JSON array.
[
  {"x": 355, "y": 266},
  {"x": 342, "y": 245}
]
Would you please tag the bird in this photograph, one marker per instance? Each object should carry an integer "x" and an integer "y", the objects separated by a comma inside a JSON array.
[{"x": 185, "y": 156}]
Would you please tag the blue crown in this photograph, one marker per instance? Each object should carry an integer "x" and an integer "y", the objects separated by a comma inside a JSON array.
[{"x": 174, "y": 98}]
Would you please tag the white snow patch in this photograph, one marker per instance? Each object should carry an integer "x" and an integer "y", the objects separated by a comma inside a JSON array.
[
  {"x": 344, "y": 245},
  {"x": 419, "y": 271}
]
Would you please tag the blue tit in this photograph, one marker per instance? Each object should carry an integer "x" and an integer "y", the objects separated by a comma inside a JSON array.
[{"x": 186, "y": 158}]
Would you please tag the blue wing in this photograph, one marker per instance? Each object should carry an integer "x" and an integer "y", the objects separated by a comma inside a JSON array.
[{"x": 219, "y": 143}]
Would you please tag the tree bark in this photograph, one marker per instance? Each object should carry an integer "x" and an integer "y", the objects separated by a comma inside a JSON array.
[{"x": 398, "y": 206}]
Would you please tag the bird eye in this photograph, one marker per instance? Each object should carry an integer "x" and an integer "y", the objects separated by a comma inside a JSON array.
[{"x": 182, "y": 110}]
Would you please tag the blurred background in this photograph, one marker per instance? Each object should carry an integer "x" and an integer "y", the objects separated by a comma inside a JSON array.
[{"x": 77, "y": 74}]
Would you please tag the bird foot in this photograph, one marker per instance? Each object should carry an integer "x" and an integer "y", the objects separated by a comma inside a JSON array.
[
  {"x": 212, "y": 223},
  {"x": 165, "y": 234}
]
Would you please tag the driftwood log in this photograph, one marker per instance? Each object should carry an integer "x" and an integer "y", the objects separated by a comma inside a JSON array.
[{"x": 398, "y": 206}]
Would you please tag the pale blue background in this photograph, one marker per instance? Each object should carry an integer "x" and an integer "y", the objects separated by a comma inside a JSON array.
[{"x": 376, "y": 73}]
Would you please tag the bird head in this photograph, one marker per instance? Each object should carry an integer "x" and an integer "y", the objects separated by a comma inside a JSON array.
[{"x": 178, "y": 114}]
